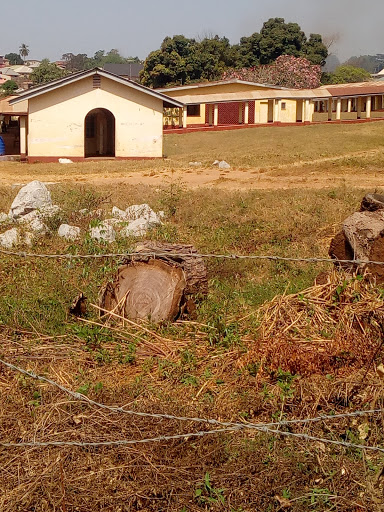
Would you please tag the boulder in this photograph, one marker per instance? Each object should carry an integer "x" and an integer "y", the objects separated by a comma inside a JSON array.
[
  {"x": 10, "y": 238},
  {"x": 70, "y": 233},
  {"x": 138, "y": 227},
  {"x": 143, "y": 211},
  {"x": 103, "y": 232},
  {"x": 119, "y": 214},
  {"x": 31, "y": 197},
  {"x": 224, "y": 165}
]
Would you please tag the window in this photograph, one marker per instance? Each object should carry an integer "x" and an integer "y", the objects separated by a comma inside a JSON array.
[
  {"x": 283, "y": 106},
  {"x": 193, "y": 110}
]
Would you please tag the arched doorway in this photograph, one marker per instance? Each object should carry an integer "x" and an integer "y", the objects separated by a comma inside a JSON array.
[{"x": 99, "y": 137}]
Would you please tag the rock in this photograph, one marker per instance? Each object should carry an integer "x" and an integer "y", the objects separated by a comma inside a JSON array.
[
  {"x": 10, "y": 238},
  {"x": 112, "y": 222},
  {"x": 31, "y": 197},
  {"x": 138, "y": 227},
  {"x": 119, "y": 214},
  {"x": 361, "y": 230},
  {"x": 224, "y": 165},
  {"x": 340, "y": 249},
  {"x": 103, "y": 232},
  {"x": 216, "y": 162},
  {"x": 37, "y": 226},
  {"x": 70, "y": 233},
  {"x": 144, "y": 211},
  {"x": 65, "y": 161},
  {"x": 195, "y": 164}
]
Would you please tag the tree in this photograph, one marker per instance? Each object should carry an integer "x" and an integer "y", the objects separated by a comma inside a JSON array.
[
  {"x": 14, "y": 59},
  {"x": 278, "y": 38},
  {"x": 286, "y": 71},
  {"x": 77, "y": 62},
  {"x": 24, "y": 51},
  {"x": 347, "y": 74},
  {"x": 46, "y": 72},
  {"x": 9, "y": 87}
]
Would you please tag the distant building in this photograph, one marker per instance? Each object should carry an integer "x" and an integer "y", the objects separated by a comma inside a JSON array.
[{"x": 128, "y": 70}]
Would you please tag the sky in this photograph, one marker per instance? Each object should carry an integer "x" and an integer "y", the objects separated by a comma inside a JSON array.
[{"x": 53, "y": 27}]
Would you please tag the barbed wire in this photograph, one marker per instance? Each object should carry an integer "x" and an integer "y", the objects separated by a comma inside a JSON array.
[
  {"x": 230, "y": 425},
  {"x": 23, "y": 254}
]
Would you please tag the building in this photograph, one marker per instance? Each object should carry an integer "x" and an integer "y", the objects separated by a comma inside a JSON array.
[
  {"x": 238, "y": 102},
  {"x": 90, "y": 114},
  {"x": 130, "y": 70}
]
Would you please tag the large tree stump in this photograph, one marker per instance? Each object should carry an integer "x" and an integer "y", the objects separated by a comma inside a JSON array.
[{"x": 155, "y": 285}]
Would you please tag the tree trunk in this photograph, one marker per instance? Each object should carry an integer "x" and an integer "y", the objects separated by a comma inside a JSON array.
[{"x": 155, "y": 285}]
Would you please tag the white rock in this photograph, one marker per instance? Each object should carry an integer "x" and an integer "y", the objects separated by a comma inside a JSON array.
[
  {"x": 216, "y": 162},
  {"x": 31, "y": 197},
  {"x": 143, "y": 211},
  {"x": 70, "y": 233},
  {"x": 138, "y": 227},
  {"x": 65, "y": 161},
  {"x": 10, "y": 238},
  {"x": 29, "y": 238},
  {"x": 103, "y": 232},
  {"x": 195, "y": 164},
  {"x": 224, "y": 165},
  {"x": 84, "y": 211},
  {"x": 119, "y": 214},
  {"x": 37, "y": 226}
]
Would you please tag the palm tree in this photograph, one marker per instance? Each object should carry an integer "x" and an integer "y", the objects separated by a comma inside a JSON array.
[{"x": 24, "y": 51}]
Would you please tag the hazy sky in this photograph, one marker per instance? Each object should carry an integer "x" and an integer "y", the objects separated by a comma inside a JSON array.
[{"x": 53, "y": 27}]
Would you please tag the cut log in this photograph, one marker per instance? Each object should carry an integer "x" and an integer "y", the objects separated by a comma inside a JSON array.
[{"x": 154, "y": 284}]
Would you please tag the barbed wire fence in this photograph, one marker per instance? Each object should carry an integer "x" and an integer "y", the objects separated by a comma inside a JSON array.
[
  {"x": 226, "y": 426},
  {"x": 271, "y": 428}
]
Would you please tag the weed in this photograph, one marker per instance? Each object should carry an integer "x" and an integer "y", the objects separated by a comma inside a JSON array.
[{"x": 206, "y": 494}]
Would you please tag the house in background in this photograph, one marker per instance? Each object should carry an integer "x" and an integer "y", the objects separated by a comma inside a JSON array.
[
  {"x": 91, "y": 114},
  {"x": 3, "y": 62},
  {"x": 238, "y": 102},
  {"x": 129, "y": 70}
]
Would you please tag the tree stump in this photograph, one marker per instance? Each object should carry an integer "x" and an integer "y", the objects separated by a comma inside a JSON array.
[{"x": 154, "y": 284}]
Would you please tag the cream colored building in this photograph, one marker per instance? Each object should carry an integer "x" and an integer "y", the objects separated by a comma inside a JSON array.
[
  {"x": 236, "y": 101},
  {"x": 91, "y": 114}
]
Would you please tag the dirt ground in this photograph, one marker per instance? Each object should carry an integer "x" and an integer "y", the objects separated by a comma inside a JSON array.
[{"x": 327, "y": 172}]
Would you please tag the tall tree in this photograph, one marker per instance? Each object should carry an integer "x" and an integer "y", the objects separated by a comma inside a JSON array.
[
  {"x": 24, "y": 51},
  {"x": 348, "y": 74}
]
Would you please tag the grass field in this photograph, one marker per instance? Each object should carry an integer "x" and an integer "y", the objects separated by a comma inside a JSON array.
[{"x": 235, "y": 361}]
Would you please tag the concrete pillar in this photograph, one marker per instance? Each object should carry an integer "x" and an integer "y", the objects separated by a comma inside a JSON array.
[
  {"x": 349, "y": 109},
  {"x": 23, "y": 136},
  {"x": 369, "y": 106},
  {"x": 302, "y": 111},
  {"x": 246, "y": 112},
  {"x": 215, "y": 114},
  {"x": 276, "y": 111},
  {"x": 307, "y": 111},
  {"x": 338, "y": 109},
  {"x": 185, "y": 117},
  {"x": 330, "y": 105},
  {"x": 240, "y": 113}
]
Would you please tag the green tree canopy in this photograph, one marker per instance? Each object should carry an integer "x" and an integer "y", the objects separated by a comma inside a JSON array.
[
  {"x": 346, "y": 74},
  {"x": 9, "y": 87},
  {"x": 46, "y": 72},
  {"x": 14, "y": 59},
  {"x": 181, "y": 60}
]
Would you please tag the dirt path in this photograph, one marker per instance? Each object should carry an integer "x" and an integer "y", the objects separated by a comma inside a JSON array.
[{"x": 301, "y": 174}]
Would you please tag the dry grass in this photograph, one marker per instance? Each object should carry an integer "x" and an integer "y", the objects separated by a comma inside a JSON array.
[{"x": 308, "y": 350}]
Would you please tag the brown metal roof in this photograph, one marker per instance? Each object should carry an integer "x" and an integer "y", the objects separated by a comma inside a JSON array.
[{"x": 355, "y": 89}]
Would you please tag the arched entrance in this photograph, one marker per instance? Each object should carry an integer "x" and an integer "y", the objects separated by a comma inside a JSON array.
[{"x": 99, "y": 137}]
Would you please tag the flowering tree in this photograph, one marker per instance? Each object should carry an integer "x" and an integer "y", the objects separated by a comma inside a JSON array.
[{"x": 286, "y": 71}]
